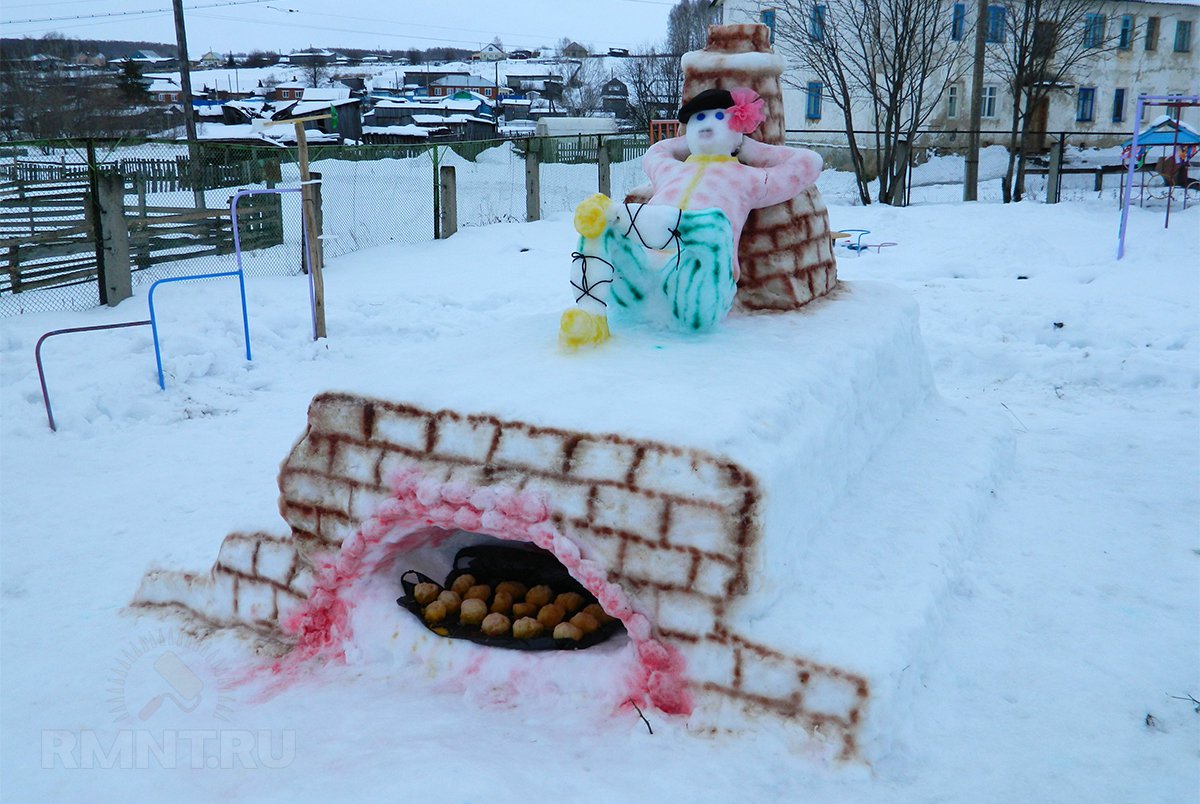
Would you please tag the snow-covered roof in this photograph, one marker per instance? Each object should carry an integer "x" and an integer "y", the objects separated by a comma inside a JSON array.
[
  {"x": 1166, "y": 130},
  {"x": 445, "y": 104},
  {"x": 406, "y": 131},
  {"x": 452, "y": 120},
  {"x": 325, "y": 93},
  {"x": 302, "y": 108},
  {"x": 463, "y": 81}
]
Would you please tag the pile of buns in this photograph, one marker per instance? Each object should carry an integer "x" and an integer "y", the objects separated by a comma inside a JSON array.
[{"x": 510, "y": 610}]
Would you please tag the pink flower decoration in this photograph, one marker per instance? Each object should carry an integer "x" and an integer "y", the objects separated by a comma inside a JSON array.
[{"x": 747, "y": 111}]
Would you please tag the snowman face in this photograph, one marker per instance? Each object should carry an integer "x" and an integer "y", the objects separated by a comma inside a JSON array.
[{"x": 708, "y": 133}]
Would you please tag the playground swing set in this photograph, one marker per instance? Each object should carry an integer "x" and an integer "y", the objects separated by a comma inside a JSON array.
[
  {"x": 312, "y": 264},
  {"x": 1178, "y": 146}
]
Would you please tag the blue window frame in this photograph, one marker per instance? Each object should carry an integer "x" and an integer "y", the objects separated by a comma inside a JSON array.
[
  {"x": 768, "y": 19},
  {"x": 1183, "y": 36},
  {"x": 1126, "y": 38},
  {"x": 1093, "y": 30},
  {"x": 1085, "y": 106},
  {"x": 812, "y": 105},
  {"x": 995, "y": 24},
  {"x": 957, "y": 21},
  {"x": 816, "y": 23},
  {"x": 1118, "y": 106}
]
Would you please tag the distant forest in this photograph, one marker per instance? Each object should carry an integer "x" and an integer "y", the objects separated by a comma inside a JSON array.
[{"x": 67, "y": 48}]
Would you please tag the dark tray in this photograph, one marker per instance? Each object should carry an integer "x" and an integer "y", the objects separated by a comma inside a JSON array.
[{"x": 491, "y": 564}]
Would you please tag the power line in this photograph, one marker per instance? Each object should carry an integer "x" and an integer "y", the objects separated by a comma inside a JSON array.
[
  {"x": 274, "y": 24},
  {"x": 127, "y": 13},
  {"x": 54, "y": 3}
]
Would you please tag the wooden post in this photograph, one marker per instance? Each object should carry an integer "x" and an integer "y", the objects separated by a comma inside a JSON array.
[
  {"x": 311, "y": 232},
  {"x": 94, "y": 219},
  {"x": 903, "y": 157},
  {"x": 604, "y": 166},
  {"x": 118, "y": 284},
  {"x": 449, "y": 192},
  {"x": 437, "y": 195},
  {"x": 1054, "y": 172},
  {"x": 533, "y": 184}
]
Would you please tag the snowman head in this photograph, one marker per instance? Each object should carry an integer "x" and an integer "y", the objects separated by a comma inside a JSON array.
[{"x": 717, "y": 120}]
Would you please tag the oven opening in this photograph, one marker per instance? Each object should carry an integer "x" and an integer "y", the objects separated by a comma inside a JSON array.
[{"x": 503, "y": 595}]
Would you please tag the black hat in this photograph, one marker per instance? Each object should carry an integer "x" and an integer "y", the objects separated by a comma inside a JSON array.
[{"x": 708, "y": 99}]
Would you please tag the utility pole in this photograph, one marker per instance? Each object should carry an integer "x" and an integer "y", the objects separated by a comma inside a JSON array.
[
  {"x": 971, "y": 169},
  {"x": 185, "y": 84}
]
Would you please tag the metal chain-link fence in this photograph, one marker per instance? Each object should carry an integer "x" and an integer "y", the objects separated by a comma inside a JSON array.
[{"x": 176, "y": 198}]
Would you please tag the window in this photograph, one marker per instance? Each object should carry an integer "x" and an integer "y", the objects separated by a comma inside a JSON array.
[
  {"x": 952, "y": 101},
  {"x": 1118, "y": 105},
  {"x": 989, "y": 102},
  {"x": 995, "y": 24},
  {"x": 812, "y": 106},
  {"x": 816, "y": 24},
  {"x": 1126, "y": 38},
  {"x": 768, "y": 19},
  {"x": 957, "y": 21},
  {"x": 1045, "y": 37},
  {"x": 1183, "y": 36},
  {"x": 1152, "y": 33},
  {"x": 1093, "y": 30},
  {"x": 1085, "y": 107}
]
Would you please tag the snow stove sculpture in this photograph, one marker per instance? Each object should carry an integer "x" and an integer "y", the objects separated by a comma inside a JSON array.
[{"x": 743, "y": 503}]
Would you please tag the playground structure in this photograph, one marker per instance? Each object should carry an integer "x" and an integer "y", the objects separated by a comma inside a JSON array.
[
  {"x": 1171, "y": 168},
  {"x": 152, "y": 321}
]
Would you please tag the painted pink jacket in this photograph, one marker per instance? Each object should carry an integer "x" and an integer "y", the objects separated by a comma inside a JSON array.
[{"x": 762, "y": 176}]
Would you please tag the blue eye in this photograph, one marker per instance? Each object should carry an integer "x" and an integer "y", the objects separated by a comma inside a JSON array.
[
  {"x": 700, "y": 116},
  {"x": 720, "y": 115}
]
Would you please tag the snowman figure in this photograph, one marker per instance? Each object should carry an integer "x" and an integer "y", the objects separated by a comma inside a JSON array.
[{"x": 673, "y": 261}]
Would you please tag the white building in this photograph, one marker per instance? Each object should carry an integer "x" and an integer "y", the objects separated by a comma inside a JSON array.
[{"x": 1145, "y": 47}]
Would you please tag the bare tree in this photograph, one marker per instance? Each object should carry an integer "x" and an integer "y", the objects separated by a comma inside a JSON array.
[
  {"x": 687, "y": 25},
  {"x": 655, "y": 82},
  {"x": 893, "y": 58},
  {"x": 1039, "y": 46},
  {"x": 315, "y": 72},
  {"x": 581, "y": 95}
]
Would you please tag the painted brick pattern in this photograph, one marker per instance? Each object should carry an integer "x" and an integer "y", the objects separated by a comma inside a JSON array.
[{"x": 675, "y": 526}]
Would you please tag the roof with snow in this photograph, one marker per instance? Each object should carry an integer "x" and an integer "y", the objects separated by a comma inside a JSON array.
[
  {"x": 463, "y": 81},
  {"x": 405, "y": 131},
  {"x": 1166, "y": 130},
  {"x": 325, "y": 93}
]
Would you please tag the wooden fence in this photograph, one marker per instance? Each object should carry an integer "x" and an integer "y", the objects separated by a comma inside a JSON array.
[{"x": 48, "y": 233}]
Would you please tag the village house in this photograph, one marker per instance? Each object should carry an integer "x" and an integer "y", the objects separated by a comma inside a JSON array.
[
  {"x": 453, "y": 84},
  {"x": 164, "y": 89},
  {"x": 211, "y": 59},
  {"x": 422, "y": 77},
  {"x": 335, "y": 101},
  {"x": 614, "y": 97},
  {"x": 489, "y": 52},
  {"x": 406, "y": 111},
  {"x": 575, "y": 51},
  {"x": 287, "y": 91}
]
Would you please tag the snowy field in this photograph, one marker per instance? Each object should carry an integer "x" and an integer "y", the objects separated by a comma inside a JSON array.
[{"x": 1067, "y": 649}]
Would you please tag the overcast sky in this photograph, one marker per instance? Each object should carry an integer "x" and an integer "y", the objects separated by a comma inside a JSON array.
[{"x": 285, "y": 25}]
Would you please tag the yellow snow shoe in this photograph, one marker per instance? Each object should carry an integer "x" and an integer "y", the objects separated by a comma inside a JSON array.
[{"x": 581, "y": 328}]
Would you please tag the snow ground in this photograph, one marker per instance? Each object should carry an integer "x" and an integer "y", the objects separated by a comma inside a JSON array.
[{"x": 1064, "y": 649}]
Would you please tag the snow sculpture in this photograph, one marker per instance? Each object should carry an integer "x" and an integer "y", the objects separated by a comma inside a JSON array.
[{"x": 673, "y": 261}]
